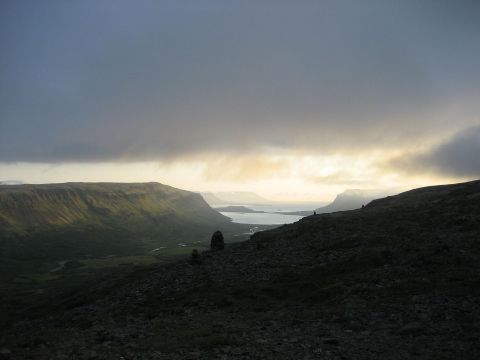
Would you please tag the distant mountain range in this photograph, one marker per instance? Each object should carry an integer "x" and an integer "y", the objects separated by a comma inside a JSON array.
[
  {"x": 350, "y": 199},
  {"x": 234, "y": 197},
  {"x": 237, "y": 208},
  {"x": 11, "y": 182}
]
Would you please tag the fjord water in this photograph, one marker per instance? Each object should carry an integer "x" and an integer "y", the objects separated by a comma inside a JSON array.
[{"x": 271, "y": 215}]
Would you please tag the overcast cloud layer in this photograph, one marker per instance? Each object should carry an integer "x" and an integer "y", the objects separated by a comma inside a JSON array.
[
  {"x": 149, "y": 80},
  {"x": 457, "y": 156}
]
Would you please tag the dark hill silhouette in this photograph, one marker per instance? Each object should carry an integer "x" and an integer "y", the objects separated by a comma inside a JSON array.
[{"x": 350, "y": 199}]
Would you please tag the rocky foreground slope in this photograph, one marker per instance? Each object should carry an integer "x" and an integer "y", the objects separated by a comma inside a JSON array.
[{"x": 399, "y": 279}]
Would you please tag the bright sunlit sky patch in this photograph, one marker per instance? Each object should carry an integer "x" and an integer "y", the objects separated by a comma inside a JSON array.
[
  {"x": 292, "y": 178},
  {"x": 296, "y": 101}
]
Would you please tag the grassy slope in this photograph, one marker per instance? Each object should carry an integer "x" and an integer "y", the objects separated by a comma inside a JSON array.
[
  {"x": 27, "y": 208},
  {"x": 41, "y": 220}
]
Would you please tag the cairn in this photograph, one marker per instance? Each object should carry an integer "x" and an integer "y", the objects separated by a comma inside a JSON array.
[{"x": 217, "y": 242}]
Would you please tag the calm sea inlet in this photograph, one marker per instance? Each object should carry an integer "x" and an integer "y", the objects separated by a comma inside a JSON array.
[{"x": 271, "y": 215}]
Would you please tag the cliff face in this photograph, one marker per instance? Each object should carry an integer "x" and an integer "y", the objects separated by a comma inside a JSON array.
[{"x": 100, "y": 218}]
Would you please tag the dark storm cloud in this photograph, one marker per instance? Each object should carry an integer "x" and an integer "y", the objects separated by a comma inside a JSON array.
[
  {"x": 135, "y": 80},
  {"x": 457, "y": 156}
]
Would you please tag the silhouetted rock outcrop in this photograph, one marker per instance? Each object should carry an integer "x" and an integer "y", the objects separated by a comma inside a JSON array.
[{"x": 217, "y": 242}]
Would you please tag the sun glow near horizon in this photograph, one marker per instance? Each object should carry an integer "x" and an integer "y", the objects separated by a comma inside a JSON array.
[{"x": 286, "y": 177}]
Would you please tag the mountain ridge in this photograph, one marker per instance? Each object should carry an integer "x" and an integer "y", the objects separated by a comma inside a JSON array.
[
  {"x": 352, "y": 199},
  {"x": 349, "y": 199},
  {"x": 67, "y": 203}
]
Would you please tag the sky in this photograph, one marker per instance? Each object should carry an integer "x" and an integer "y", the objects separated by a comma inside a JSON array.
[{"x": 295, "y": 100}]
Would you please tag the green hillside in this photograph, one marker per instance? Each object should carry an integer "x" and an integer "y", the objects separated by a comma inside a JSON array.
[
  {"x": 24, "y": 208},
  {"x": 54, "y": 222}
]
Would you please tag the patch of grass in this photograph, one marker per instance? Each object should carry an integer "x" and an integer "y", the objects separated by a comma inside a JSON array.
[
  {"x": 180, "y": 251},
  {"x": 35, "y": 278},
  {"x": 100, "y": 263}
]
